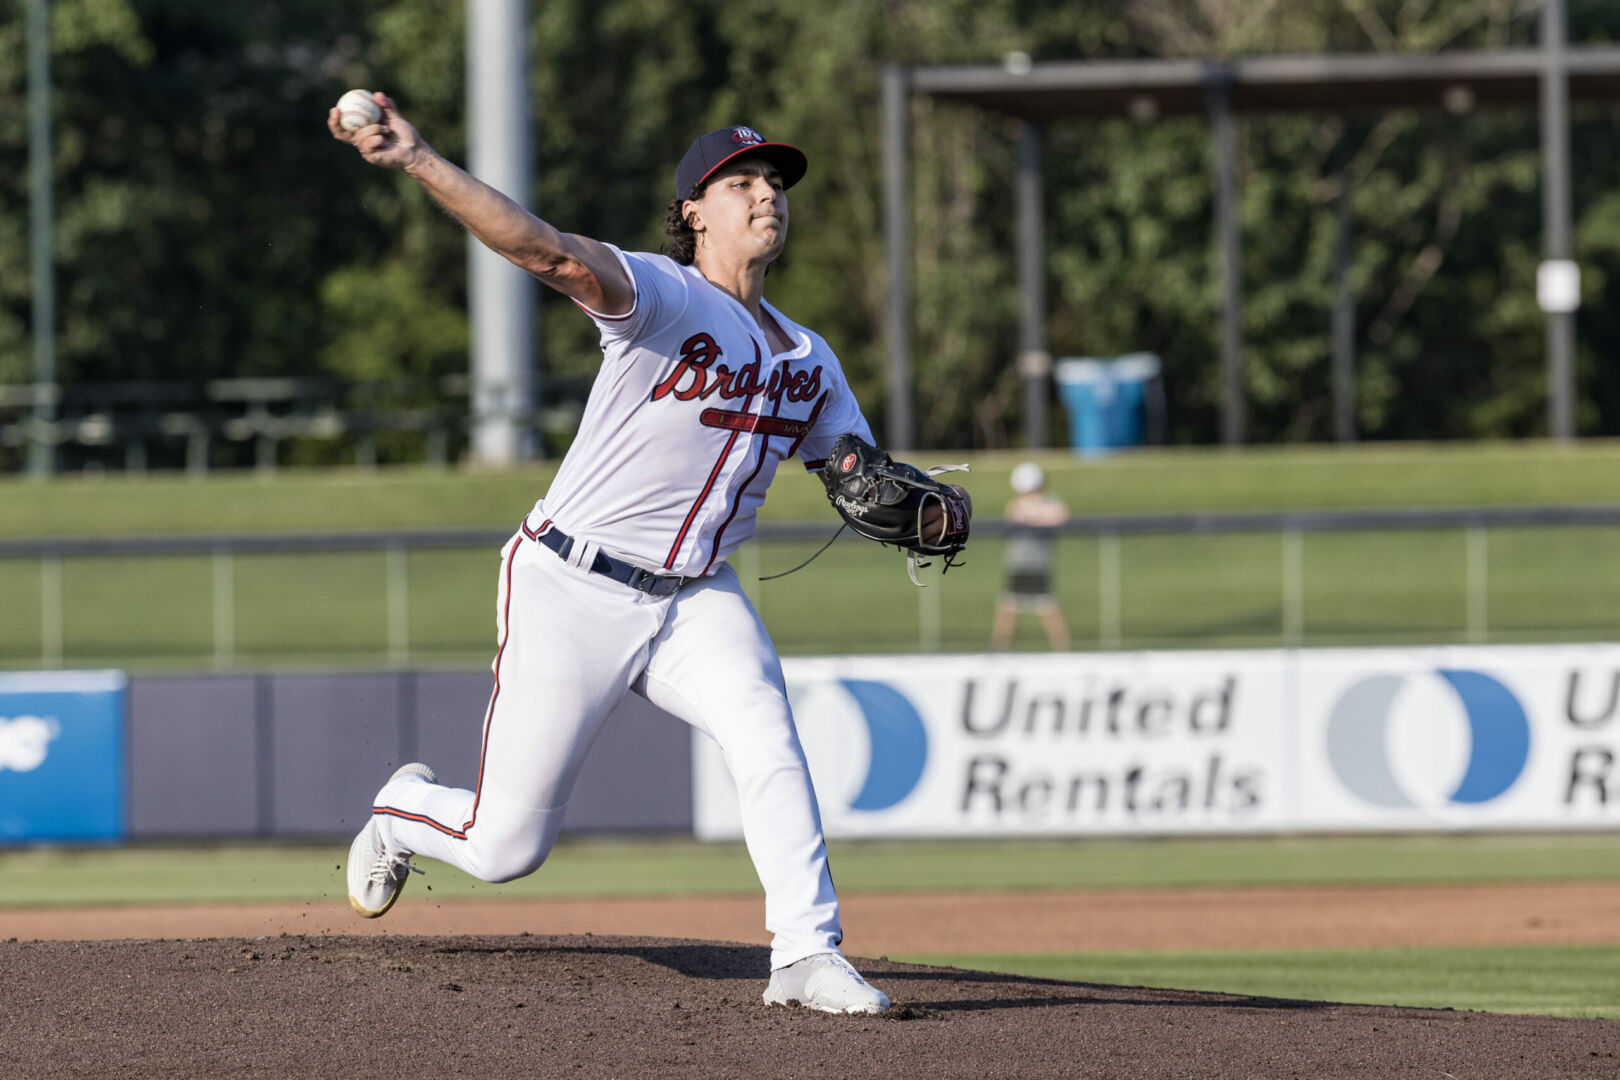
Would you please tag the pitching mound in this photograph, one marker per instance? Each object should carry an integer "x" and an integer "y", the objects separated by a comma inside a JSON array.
[{"x": 530, "y": 1006}]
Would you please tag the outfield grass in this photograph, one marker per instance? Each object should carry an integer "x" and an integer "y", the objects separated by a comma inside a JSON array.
[
  {"x": 678, "y": 867},
  {"x": 1552, "y": 980},
  {"x": 1172, "y": 591},
  {"x": 1551, "y": 584},
  {"x": 1404, "y": 586},
  {"x": 1367, "y": 475}
]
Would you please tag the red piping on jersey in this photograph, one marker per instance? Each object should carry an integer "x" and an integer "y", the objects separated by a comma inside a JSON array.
[
  {"x": 736, "y": 500},
  {"x": 766, "y": 426},
  {"x": 680, "y": 537},
  {"x": 489, "y": 714}
]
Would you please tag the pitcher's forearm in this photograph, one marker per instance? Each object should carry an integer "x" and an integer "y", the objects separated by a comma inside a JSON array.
[{"x": 499, "y": 223}]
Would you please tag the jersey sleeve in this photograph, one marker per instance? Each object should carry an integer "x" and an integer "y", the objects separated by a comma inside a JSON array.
[
  {"x": 659, "y": 297},
  {"x": 838, "y": 414}
]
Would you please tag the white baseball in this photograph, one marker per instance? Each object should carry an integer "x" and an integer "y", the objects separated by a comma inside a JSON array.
[{"x": 356, "y": 110}]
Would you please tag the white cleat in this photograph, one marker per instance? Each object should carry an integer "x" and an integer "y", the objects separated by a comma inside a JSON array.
[
  {"x": 825, "y": 982},
  {"x": 377, "y": 875}
]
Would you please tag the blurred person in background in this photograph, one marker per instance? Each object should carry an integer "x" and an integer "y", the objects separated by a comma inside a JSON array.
[{"x": 1032, "y": 517}]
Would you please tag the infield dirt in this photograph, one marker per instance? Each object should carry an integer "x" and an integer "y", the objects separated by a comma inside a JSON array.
[
  {"x": 454, "y": 989},
  {"x": 623, "y": 1007}
]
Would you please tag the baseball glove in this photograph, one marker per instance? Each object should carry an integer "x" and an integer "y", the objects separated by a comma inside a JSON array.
[{"x": 884, "y": 500}]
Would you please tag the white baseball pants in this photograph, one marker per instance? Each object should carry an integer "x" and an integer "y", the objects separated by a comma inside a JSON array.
[{"x": 572, "y": 643}]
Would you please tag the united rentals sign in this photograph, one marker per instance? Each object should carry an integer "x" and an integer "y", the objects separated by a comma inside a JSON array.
[{"x": 1162, "y": 743}]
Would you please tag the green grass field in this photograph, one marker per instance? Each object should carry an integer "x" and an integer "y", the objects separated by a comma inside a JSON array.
[
  {"x": 1551, "y": 584},
  {"x": 1547, "y": 584},
  {"x": 1368, "y": 475},
  {"x": 1569, "y": 980},
  {"x": 1555, "y": 980},
  {"x": 620, "y": 867}
]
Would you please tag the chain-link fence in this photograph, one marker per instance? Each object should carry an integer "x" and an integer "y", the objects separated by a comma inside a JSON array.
[{"x": 425, "y": 598}]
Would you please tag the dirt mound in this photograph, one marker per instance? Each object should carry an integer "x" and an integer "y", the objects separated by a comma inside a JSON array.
[{"x": 533, "y": 1006}]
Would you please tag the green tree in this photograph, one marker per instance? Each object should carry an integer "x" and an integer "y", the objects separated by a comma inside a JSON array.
[{"x": 207, "y": 227}]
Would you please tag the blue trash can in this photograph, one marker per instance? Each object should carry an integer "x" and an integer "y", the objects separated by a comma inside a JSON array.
[
  {"x": 1088, "y": 393},
  {"x": 1105, "y": 400}
]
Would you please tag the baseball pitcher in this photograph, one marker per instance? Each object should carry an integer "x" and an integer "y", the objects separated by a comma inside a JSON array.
[{"x": 617, "y": 580}]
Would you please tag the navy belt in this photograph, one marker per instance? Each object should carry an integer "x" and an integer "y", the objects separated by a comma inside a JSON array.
[{"x": 634, "y": 576}]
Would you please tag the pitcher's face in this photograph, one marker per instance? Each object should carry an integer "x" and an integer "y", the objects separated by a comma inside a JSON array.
[{"x": 743, "y": 212}]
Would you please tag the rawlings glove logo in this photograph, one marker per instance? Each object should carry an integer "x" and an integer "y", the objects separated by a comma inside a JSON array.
[{"x": 851, "y": 507}]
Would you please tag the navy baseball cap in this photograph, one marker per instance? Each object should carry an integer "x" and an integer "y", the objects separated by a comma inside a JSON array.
[{"x": 708, "y": 152}]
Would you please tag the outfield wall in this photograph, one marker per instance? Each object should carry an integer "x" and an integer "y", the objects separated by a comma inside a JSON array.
[
  {"x": 284, "y": 755},
  {"x": 1139, "y": 743}
]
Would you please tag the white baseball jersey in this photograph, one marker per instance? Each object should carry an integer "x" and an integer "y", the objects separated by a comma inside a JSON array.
[
  {"x": 684, "y": 429},
  {"x": 687, "y": 421}
]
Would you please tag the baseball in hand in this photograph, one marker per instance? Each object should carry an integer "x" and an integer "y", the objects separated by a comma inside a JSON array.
[{"x": 356, "y": 110}]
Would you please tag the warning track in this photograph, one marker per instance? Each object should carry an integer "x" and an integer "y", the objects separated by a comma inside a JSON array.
[{"x": 1558, "y": 913}]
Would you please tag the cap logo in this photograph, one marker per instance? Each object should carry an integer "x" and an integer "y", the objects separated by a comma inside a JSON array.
[{"x": 746, "y": 136}]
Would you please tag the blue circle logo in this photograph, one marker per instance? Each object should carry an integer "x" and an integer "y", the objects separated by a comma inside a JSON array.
[
  {"x": 899, "y": 742},
  {"x": 1361, "y": 731},
  {"x": 852, "y": 773}
]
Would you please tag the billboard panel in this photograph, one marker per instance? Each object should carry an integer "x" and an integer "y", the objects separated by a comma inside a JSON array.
[
  {"x": 1161, "y": 742},
  {"x": 62, "y": 756},
  {"x": 1461, "y": 738}
]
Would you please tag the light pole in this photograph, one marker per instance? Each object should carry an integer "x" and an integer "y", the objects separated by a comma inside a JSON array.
[
  {"x": 42, "y": 446},
  {"x": 1558, "y": 278},
  {"x": 501, "y": 297}
]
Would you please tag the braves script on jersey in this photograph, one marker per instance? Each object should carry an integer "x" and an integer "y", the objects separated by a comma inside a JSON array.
[{"x": 688, "y": 420}]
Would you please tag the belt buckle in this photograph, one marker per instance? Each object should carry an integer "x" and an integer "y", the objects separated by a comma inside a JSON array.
[
  {"x": 642, "y": 580},
  {"x": 652, "y": 584},
  {"x": 655, "y": 584}
]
